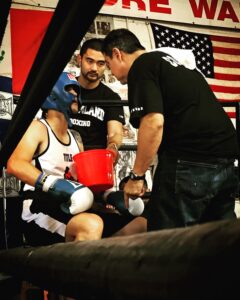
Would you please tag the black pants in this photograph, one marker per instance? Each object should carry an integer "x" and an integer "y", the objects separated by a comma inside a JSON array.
[{"x": 191, "y": 192}]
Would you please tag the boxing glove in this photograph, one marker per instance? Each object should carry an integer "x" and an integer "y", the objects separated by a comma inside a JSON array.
[
  {"x": 74, "y": 197},
  {"x": 116, "y": 199}
]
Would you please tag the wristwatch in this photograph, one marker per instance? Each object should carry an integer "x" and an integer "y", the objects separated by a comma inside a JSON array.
[{"x": 134, "y": 176}]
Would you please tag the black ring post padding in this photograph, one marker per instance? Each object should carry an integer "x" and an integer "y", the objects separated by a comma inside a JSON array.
[
  {"x": 69, "y": 24},
  {"x": 4, "y": 11},
  {"x": 108, "y": 102},
  {"x": 123, "y": 147},
  {"x": 113, "y": 103},
  {"x": 189, "y": 263}
]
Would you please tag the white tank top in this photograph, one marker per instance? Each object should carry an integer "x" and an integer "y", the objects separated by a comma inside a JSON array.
[{"x": 57, "y": 156}]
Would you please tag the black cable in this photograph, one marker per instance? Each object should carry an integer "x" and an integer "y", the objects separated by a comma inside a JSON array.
[{"x": 4, "y": 11}]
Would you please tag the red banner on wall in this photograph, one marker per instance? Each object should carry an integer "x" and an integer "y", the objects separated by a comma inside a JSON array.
[{"x": 28, "y": 28}]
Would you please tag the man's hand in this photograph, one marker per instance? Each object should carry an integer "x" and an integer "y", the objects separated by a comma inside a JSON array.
[{"x": 133, "y": 189}]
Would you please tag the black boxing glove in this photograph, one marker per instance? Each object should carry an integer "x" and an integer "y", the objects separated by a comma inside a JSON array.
[{"x": 116, "y": 199}]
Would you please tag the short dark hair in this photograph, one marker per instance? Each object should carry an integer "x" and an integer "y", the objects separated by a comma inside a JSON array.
[
  {"x": 123, "y": 39},
  {"x": 95, "y": 44}
]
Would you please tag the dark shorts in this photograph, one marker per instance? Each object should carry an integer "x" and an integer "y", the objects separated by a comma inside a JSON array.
[
  {"x": 187, "y": 192},
  {"x": 37, "y": 236}
]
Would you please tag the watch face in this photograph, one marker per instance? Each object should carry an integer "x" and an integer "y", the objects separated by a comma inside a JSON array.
[{"x": 132, "y": 176}]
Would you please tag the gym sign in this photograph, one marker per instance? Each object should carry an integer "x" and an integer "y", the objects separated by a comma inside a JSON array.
[
  {"x": 6, "y": 107},
  {"x": 219, "y": 13},
  {"x": 9, "y": 186}
]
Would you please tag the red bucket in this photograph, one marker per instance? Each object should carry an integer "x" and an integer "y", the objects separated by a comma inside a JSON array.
[{"x": 95, "y": 169}]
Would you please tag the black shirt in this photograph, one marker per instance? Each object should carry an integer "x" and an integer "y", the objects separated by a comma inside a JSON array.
[
  {"x": 195, "y": 124},
  {"x": 91, "y": 120}
]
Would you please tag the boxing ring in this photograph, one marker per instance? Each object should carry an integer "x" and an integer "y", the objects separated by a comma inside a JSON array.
[{"x": 190, "y": 263}]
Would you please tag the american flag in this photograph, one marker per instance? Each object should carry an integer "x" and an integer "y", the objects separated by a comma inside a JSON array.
[{"x": 218, "y": 57}]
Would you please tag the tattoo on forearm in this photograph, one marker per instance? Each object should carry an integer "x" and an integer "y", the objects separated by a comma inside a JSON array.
[{"x": 77, "y": 136}]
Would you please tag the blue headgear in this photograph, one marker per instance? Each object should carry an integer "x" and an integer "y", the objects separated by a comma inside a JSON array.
[{"x": 60, "y": 99}]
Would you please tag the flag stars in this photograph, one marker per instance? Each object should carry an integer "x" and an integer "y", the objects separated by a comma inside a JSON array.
[{"x": 200, "y": 44}]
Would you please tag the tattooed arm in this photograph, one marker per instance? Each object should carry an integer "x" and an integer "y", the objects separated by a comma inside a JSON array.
[{"x": 78, "y": 139}]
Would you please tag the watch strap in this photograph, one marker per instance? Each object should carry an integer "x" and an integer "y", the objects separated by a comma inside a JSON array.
[{"x": 134, "y": 176}]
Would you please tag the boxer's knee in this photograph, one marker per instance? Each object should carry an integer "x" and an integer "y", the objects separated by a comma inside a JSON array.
[{"x": 84, "y": 226}]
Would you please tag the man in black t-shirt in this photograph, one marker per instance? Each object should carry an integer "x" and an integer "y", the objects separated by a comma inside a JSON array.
[
  {"x": 99, "y": 126},
  {"x": 178, "y": 118}
]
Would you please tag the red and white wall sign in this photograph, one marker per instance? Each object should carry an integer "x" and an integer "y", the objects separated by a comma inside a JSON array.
[{"x": 202, "y": 12}]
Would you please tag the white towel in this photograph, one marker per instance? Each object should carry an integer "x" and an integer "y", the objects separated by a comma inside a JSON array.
[{"x": 184, "y": 57}]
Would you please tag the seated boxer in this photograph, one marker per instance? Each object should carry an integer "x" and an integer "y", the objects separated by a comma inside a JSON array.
[{"x": 56, "y": 209}]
